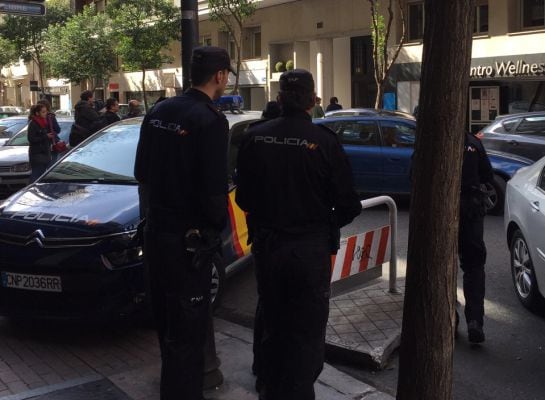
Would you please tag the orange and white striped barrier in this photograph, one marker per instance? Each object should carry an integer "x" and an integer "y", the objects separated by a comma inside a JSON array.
[{"x": 361, "y": 252}]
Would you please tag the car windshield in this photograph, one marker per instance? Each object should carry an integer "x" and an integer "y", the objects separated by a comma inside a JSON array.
[
  {"x": 8, "y": 127},
  {"x": 21, "y": 139},
  {"x": 107, "y": 158}
]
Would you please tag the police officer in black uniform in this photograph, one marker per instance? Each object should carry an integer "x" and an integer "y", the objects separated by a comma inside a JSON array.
[
  {"x": 476, "y": 170},
  {"x": 295, "y": 183},
  {"x": 182, "y": 162}
]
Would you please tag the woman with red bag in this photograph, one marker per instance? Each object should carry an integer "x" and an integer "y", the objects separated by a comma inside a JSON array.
[
  {"x": 57, "y": 145},
  {"x": 39, "y": 139}
]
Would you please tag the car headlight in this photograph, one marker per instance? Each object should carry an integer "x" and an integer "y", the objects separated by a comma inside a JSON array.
[
  {"x": 23, "y": 167},
  {"x": 123, "y": 258}
]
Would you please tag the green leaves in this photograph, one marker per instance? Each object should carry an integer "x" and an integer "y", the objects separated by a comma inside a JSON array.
[
  {"x": 81, "y": 49},
  {"x": 143, "y": 30}
]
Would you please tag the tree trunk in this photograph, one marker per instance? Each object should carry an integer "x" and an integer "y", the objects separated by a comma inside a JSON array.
[
  {"x": 144, "y": 95},
  {"x": 239, "y": 62},
  {"x": 379, "y": 100},
  {"x": 427, "y": 339}
]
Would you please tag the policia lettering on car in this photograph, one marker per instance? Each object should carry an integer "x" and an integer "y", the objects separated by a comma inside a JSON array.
[{"x": 286, "y": 141}]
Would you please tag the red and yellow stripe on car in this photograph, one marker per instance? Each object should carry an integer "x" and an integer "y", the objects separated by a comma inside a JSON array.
[{"x": 239, "y": 229}]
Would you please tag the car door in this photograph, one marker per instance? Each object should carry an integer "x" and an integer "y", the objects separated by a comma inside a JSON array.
[
  {"x": 536, "y": 224},
  {"x": 361, "y": 141},
  {"x": 398, "y": 138},
  {"x": 529, "y": 138}
]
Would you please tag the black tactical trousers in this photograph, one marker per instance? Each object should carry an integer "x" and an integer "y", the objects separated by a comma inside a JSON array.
[
  {"x": 180, "y": 300},
  {"x": 472, "y": 253},
  {"x": 293, "y": 275}
]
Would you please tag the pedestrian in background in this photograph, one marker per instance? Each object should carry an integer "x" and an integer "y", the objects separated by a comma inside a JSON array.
[
  {"x": 85, "y": 117},
  {"x": 109, "y": 116},
  {"x": 317, "y": 110},
  {"x": 333, "y": 105},
  {"x": 39, "y": 140},
  {"x": 53, "y": 127},
  {"x": 476, "y": 170},
  {"x": 295, "y": 183},
  {"x": 181, "y": 160},
  {"x": 134, "y": 110}
]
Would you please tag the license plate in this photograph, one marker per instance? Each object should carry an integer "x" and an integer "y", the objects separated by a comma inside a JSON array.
[{"x": 43, "y": 283}]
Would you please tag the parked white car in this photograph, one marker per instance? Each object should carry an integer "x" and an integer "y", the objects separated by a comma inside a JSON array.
[{"x": 525, "y": 228}]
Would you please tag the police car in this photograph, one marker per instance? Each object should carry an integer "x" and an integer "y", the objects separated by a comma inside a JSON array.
[{"x": 67, "y": 247}]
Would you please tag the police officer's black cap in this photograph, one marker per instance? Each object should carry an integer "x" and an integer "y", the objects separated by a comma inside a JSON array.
[
  {"x": 297, "y": 79},
  {"x": 211, "y": 58}
]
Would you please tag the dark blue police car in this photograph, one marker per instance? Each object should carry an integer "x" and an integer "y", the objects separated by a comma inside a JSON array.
[{"x": 67, "y": 247}]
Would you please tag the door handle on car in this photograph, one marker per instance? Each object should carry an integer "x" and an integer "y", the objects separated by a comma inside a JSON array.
[
  {"x": 535, "y": 205},
  {"x": 395, "y": 159},
  {"x": 513, "y": 142}
]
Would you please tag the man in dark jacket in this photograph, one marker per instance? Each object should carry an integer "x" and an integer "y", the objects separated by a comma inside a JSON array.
[
  {"x": 110, "y": 115},
  {"x": 333, "y": 105},
  {"x": 476, "y": 170},
  {"x": 84, "y": 119},
  {"x": 182, "y": 161},
  {"x": 134, "y": 109},
  {"x": 295, "y": 183}
]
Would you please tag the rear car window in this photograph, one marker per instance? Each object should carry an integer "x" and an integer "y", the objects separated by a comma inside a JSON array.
[
  {"x": 509, "y": 125},
  {"x": 532, "y": 126},
  {"x": 542, "y": 180}
]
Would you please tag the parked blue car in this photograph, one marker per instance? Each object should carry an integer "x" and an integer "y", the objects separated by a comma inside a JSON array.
[{"x": 380, "y": 147}]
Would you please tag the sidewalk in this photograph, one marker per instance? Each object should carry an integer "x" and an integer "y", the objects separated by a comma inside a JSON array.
[{"x": 234, "y": 346}]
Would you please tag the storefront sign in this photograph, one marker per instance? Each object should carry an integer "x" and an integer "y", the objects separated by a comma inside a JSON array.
[{"x": 508, "y": 69}]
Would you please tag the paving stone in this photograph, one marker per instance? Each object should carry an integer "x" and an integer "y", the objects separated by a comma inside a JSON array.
[
  {"x": 365, "y": 326},
  {"x": 335, "y": 312},
  {"x": 377, "y": 316},
  {"x": 344, "y": 303},
  {"x": 383, "y": 300},
  {"x": 386, "y": 324},
  {"x": 373, "y": 335},
  {"x": 370, "y": 308},
  {"x": 345, "y": 328},
  {"x": 351, "y": 310},
  {"x": 363, "y": 301},
  {"x": 334, "y": 321},
  {"x": 355, "y": 337},
  {"x": 358, "y": 318},
  {"x": 392, "y": 307}
]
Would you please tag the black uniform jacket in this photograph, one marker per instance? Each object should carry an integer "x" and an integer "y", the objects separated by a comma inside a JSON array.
[
  {"x": 476, "y": 168},
  {"x": 182, "y": 160},
  {"x": 295, "y": 175}
]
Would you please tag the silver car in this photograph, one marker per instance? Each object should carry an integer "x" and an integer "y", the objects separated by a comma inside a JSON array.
[
  {"x": 520, "y": 134},
  {"x": 10, "y": 126},
  {"x": 14, "y": 163},
  {"x": 525, "y": 226}
]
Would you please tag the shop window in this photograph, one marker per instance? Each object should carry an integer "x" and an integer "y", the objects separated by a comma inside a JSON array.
[
  {"x": 416, "y": 21},
  {"x": 481, "y": 19},
  {"x": 533, "y": 13}
]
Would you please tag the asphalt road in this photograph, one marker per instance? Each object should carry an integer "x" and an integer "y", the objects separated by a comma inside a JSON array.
[{"x": 510, "y": 364}]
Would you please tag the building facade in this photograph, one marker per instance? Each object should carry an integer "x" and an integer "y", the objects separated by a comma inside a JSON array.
[{"x": 332, "y": 39}]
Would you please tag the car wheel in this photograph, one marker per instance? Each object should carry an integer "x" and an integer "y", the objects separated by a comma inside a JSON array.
[
  {"x": 495, "y": 193},
  {"x": 524, "y": 277},
  {"x": 218, "y": 282}
]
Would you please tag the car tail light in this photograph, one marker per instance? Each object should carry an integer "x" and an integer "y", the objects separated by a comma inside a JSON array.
[{"x": 123, "y": 258}]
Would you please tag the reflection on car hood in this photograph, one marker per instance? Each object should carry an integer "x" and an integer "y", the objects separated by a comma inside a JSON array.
[
  {"x": 71, "y": 210},
  {"x": 10, "y": 155}
]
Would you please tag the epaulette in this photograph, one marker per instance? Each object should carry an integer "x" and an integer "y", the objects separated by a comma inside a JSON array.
[{"x": 214, "y": 109}]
